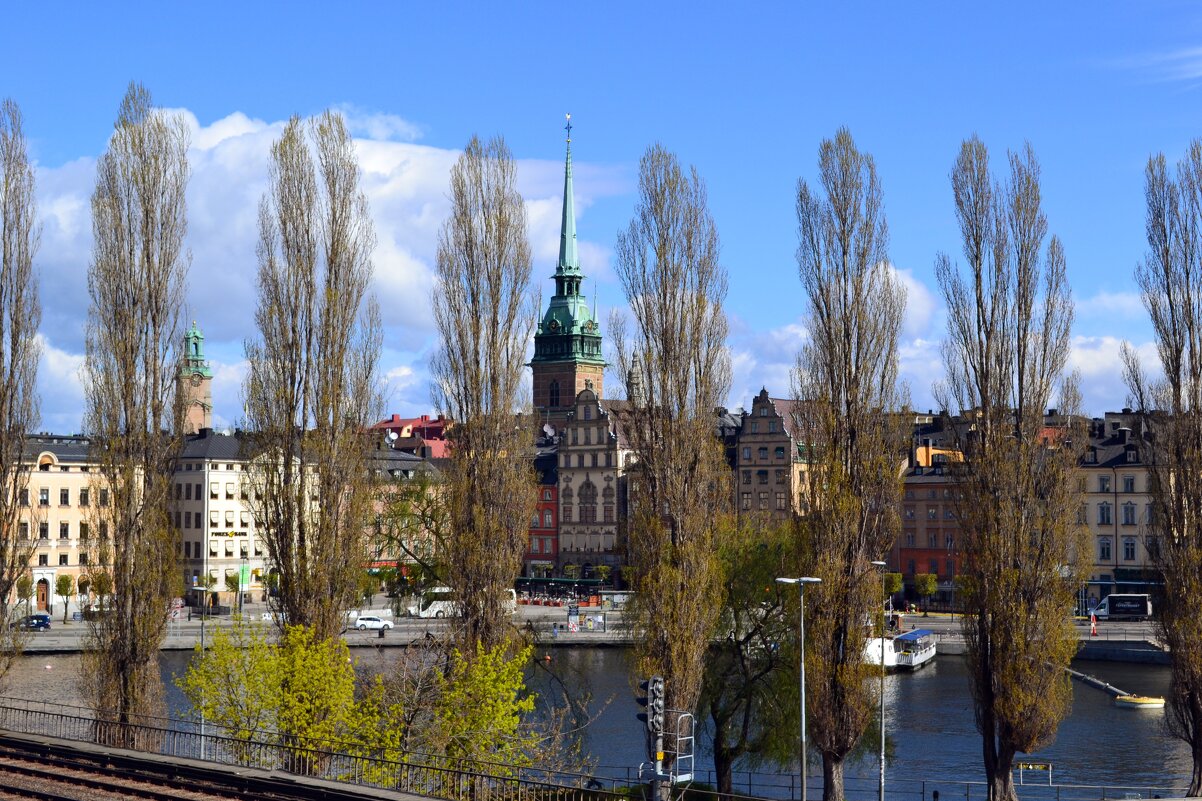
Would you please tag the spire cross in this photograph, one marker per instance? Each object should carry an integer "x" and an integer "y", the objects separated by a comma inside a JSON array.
[{"x": 568, "y": 127}]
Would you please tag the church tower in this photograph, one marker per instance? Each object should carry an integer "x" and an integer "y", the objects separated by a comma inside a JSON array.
[
  {"x": 567, "y": 345},
  {"x": 196, "y": 383}
]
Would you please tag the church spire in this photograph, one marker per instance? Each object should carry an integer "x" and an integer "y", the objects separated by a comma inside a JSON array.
[{"x": 568, "y": 261}]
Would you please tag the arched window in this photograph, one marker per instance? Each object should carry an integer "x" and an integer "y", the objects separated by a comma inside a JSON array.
[
  {"x": 547, "y": 522},
  {"x": 554, "y": 393},
  {"x": 588, "y": 502}
]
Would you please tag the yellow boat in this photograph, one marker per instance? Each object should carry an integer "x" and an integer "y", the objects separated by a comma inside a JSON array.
[{"x": 1139, "y": 702}]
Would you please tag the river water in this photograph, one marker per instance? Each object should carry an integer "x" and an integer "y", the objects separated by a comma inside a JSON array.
[{"x": 929, "y": 718}]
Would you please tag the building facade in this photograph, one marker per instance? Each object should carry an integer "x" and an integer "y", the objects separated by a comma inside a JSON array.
[{"x": 769, "y": 468}]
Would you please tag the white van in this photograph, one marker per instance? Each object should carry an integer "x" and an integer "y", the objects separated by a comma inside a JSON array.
[
  {"x": 439, "y": 602},
  {"x": 1124, "y": 607}
]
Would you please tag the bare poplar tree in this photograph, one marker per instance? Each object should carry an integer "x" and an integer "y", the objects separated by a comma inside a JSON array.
[
  {"x": 485, "y": 311},
  {"x": 848, "y": 415},
  {"x": 20, "y": 349},
  {"x": 312, "y": 389},
  {"x": 136, "y": 282},
  {"x": 1170, "y": 278},
  {"x": 1009, "y": 317},
  {"x": 673, "y": 356}
]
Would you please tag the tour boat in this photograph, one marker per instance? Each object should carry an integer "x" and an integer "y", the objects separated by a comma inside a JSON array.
[
  {"x": 1139, "y": 702},
  {"x": 904, "y": 652}
]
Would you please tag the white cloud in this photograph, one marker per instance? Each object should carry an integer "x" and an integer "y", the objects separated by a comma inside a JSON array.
[
  {"x": 923, "y": 311},
  {"x": 406, "y": 186},
  {"x": 1184, "y": 64},
  {"x": 1099, "y": 362},
  {"x": 1106, "y": 307}
]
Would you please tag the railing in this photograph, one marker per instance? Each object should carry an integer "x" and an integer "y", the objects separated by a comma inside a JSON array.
[{"x": 464, "y": 779}]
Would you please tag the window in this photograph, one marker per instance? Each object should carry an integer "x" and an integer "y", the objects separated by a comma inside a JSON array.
[
  {"x": 761, "y": 476},
  {"x": 909, "y": 512},
  {"x": 83, "y": 559},
  {"x": 935, "y": 567},
  {"x": 780, "y": 452},
  {"x": 553, "y": 393},
  {"x": 951, "y": 568},
  {"x": 64, "y": 497},
  {"x": 547, "y": 519},
  {"x": 1104, "y": 516},
  {"x": 62, "y": 559},
  {"x": 535, "y": 545},
  {"x": 746, "y": 500},
  {"x": 1153, "y": 547},
  {"x": 566, "y": 515},
  {"x": 951, "y": 542},
  {"x": 534, "y": 520},
  {"x": 932, "y": 513},
  {"x": 763, "y": 500},
  {"x": 594, "y": 459},
  {"x": 179, "y": 491},
  {"x": 580, "y": 460},
  {"x": 932, "y": 540},
  {"x": 746, "y": 476},
  {"x": 244, "y": 519},
  {"x": 64, "y": 531},
  {"x": 25, "y": 497},
  {"x": 44, "y": 496},
  {"x": 214, "y": 490},
  {"x": 43, "y": 531},
  {"x": 104, "y": 496},
  {"x": 746, "y": 452},
  {"x": 84, "y": 497},
  {"x": 949, "y": 513},
  {"x": 588, "y": 412},
  {"x": 910, "y": 567},
  {"x": 23, "y": 528},
  {"x": 1129, "y": 549},
  {"x": 772, "y": 427},
  {"x": 546, "y": 495},
  {"x": 609, "y": 513},
  {"x": 43, "y": 559},
  {"x": 104, "y": 532},
  {"x": 780, "y": 476},
  {"x": 1128, "y": 484},
  {"x": 780, "y": 501},
  {"x": 187, "y": 492},
  {"x": 197, "y": 494},
  {"x": 229, "y": 491},
  {"x": 1082, "y": 515},
  {"x": 755, "y": 427},
  {"x": 763, "y": 411},
  {"x": 213, "y": 519},
  {"x": 1104, "y": 549},
  {"x": 910, "y": 538},
  {"x": 1103, "y": 483},
  {"x": 83, "y": 531},
  {"x": 177, "y": 519},
  {"x": 1128, "y": 514},
  {"x": 762, "y": 453},
  {"x": 909, "y": 495}
]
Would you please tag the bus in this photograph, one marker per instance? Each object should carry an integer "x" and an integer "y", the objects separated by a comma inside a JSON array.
[{"x": 439, "y": 602}]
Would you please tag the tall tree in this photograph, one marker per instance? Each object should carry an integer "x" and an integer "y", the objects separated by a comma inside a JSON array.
[
  {"x": 312, "y": 388},
  {"x": 136, "y": 283},
  {"x": 20, "y": 350},
  {"x": 1170, "y": 278},
  {"x": 672, "y": 353},
  {"x": 847, "y": 413},
  {"x": 485, "y": 312},
  {"x": 1009, "y": 319}
]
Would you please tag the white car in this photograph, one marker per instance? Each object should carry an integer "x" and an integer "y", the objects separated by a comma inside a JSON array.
[{"x": 366, "y": 622}]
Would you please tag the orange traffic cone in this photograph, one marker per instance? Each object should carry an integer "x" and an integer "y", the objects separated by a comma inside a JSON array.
[{"x": 1093, "y": 625}]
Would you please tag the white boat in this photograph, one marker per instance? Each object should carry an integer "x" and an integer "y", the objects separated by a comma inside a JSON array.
[
  {"x": 904, "y": 652},
  {"x": 1139, "y": 702}
]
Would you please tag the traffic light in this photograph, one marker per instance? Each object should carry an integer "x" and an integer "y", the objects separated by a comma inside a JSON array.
[{"x": 654, "y": 702}]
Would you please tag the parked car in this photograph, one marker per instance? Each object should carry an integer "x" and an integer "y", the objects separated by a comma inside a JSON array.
[
  {"x": 33, "y": 623},
  {"x": 366, "y": 622}
]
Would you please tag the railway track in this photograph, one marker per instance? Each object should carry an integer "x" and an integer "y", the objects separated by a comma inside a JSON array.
[{"x": 48, "y": 770}]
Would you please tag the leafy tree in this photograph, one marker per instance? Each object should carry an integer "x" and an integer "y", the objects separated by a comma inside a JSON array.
[
  {"x": 136, "y": 282},
  {"x": 1009, "y": 319},
  {"x": 25, "y": 590},
  {"x": 926, "y": 585},
  {"x": 64, "y": 587},
  {"x": 672, "y": 352},
  {"x": 312, "y": 386},
  {"x": 233, "y": 585},
  {"x": 847, "y": 392},
  {"x": 603, "y": 573},
  {"x": 749, "y": 693},
  {"x": 485, "y": 311},
  {"x": 1169, "y": 278}
]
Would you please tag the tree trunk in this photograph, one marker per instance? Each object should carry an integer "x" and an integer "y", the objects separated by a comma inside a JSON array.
[
  {"x": 724, "y": 762},
  {"x": 1195, "y": 780},
  {"x": 832, "y": 778},
  {"x": 1001, "y": 777}
]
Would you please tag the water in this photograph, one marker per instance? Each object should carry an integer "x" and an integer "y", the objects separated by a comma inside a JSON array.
[{"x": 929, "y": 717}]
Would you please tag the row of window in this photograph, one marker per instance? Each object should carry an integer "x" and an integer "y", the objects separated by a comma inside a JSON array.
[
  {"x": 1104, "y": 484},
  {"x": 933, "y": 568},
  {"x": 196, "y": 519},
  {"x": 755, "y": 426},
  {"x": 588, "y": 513},
  {"x": 762, "y": 453},
  {"x": 567, "y": 460},
  {"x": 782, "y": 500},
  {"x": 1130, "y": 546},
  {"x": 547, "y": 520},
  {"x": 1129, "y": 511},
  {"x": 542, "y": 545},
  {"x": 949, "y": 540},
  {"x": 44, "y": 560},
  {"x": 602, "y": 432},
  {"x": 192, "y": 550},
  {"x": 761, "y": 476},
  {"x": 949, "y": 513},
  {"x": 64, "y": 496},
  {"x": 64, "y": 530}
]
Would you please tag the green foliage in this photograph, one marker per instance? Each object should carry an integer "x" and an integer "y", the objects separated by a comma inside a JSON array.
[
  {"x": 571, "y": 571},
  {"x": 479, "y": 708},
  {"x": 232, "y": 583},
  {"x": 25, "y": 588},
  {"x": 64, "y": 587},
  {"x": 926, "y": 584},
  {"x": 893, "y": 583},
  {"x": 603, "y": 572}
]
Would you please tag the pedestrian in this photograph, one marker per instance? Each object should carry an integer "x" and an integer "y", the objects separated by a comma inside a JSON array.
[{"x": 554, "y": 631}]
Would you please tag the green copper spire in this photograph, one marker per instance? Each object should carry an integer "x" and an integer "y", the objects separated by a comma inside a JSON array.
[
  {"x": 568, "y": 261},
  {"x": 194, "y": 353}
]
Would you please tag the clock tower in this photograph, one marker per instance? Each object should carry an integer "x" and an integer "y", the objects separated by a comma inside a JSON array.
[
  {"x": 196, "y": 383},
  {"x": 567, "y": 344}
]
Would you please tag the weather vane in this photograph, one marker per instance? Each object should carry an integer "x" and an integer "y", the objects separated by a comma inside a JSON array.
[{"x": 568, "y": 127}]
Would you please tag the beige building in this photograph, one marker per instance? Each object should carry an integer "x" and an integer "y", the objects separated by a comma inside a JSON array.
[{"x": 768, "y": 460}]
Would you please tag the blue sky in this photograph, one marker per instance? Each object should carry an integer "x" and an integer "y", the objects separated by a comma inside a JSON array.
[{"x": 743, "y": 92}]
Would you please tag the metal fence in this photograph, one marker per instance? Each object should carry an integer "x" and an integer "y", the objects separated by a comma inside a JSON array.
[{"x": 464, "y": 779}]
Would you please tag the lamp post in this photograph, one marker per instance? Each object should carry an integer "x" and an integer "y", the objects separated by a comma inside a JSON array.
[
  {"x": 801, "y": 654},
  {"x": 243, "y": 573},
  {"x": 881, "y": 786}
]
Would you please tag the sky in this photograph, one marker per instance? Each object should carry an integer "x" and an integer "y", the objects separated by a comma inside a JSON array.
[{"x": 743, "y": 92}]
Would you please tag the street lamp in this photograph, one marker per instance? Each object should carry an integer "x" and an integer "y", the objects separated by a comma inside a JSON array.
[
  {"x": 801, "y": 652},
  {"x": 881, "y": 787}
]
